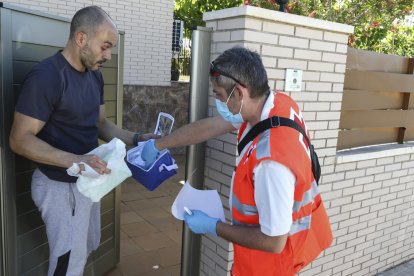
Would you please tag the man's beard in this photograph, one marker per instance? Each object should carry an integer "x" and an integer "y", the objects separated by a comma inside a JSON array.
[{"x": 86, "y": 59}]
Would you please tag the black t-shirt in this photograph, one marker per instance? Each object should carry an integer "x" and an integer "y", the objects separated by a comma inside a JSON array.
[{"x": 68, "y": 102}]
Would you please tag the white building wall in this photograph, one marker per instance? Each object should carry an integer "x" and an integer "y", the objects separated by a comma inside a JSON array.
[{"x": 148, "y": 33}]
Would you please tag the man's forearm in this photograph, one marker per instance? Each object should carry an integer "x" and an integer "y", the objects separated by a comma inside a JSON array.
[
  {"x": 39, "y": 151},
  {"x": 251, "y": 237},
  {"x": 195, "y": 133},
  {"x": 108, "y": 131}
]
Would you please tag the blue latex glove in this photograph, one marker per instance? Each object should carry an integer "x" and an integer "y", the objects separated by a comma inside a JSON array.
[
  {"x": 149, "y": 153},
  {"x": 200, "y": 223}
]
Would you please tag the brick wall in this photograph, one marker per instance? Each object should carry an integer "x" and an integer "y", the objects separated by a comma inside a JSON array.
[
  {"x": 148, "y": 33},
  {"x": 367, "y": 192},
  {"x": 370, "y": 194}
]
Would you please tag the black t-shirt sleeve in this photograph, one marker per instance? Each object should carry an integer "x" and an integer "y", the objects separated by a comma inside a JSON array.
[{"x": 40, "y": 92}]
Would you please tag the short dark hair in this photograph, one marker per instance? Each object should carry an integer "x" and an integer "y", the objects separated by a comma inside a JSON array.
[
  {"x": 87, "y": 20},
  {"x": 242, "y": 65}
]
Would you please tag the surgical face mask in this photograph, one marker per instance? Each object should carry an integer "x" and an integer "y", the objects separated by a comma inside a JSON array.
[{"x": 224, "y": 111}]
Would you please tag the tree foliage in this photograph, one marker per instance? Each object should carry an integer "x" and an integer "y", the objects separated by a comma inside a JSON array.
[
  {"x": 399, "y": 42},
  {"x": 191, "y": 11},
  {"x": 377, "y": 23}
]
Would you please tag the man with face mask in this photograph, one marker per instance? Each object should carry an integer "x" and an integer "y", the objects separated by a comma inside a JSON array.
[
  {"x": 58, "y": 118},
  {"x": 274, "y": 195}
]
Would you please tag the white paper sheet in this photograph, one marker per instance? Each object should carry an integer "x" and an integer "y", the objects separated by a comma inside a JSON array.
[{"x": 207, "y": 201}]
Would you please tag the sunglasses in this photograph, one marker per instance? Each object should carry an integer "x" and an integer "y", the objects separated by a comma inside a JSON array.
[{"x": 216, "y": 72}]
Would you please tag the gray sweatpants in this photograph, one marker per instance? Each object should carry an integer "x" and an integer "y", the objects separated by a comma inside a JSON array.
[{"x": 72, "y": 224}]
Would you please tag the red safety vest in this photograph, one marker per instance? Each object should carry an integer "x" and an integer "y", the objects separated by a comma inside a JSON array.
[{"x": 310, "y": 232}]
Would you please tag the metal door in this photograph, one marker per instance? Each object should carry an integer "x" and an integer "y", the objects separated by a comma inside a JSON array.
[{"x": 27, "y": 37}]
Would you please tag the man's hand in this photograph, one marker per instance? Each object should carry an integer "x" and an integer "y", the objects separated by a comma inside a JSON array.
[
  {"x": 200, "y": 223},
  {"x": 96, "y": 163},
  {"x": 149, "y": 153}
]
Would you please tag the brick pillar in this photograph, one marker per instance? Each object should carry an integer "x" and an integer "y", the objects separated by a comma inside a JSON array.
[{"x": 317, "y": 47}]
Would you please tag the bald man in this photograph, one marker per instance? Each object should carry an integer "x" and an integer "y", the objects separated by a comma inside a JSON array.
[{"x": 58, "y": 118}]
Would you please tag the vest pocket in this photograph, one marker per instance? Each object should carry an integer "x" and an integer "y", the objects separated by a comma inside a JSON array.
[{"x": 319, "y": 237}]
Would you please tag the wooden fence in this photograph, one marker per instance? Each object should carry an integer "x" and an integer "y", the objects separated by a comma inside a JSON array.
[{"x": 378, "y": 100}]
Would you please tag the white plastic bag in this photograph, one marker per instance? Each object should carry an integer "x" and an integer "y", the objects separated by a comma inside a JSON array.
[{"x": 96, "y": 186}]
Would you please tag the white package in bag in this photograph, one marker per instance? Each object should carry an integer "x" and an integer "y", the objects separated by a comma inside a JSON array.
[{"x": 95, "y": 186}]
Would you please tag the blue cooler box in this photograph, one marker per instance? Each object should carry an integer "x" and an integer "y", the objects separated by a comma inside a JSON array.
[{"x": 162, "y": 169}]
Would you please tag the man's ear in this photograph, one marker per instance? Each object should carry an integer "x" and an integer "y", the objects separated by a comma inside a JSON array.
[
  {"x": 81, "y": 39},
  {"x": 241, "y": 91}
]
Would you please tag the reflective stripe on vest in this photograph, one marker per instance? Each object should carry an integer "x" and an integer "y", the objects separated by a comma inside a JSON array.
[
  {"x": 308, "y": 197},
  {"x": 297, "y": 226},
  {"x": 263, "y": 145},
  {"x": 300, "y": 225},
  {"x": 303, "y": 223},
  {"x": 245, "y": 209}
]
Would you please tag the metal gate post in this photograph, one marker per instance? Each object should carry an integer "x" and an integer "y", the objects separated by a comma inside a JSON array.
[
  {"x": 198, "y": 109},
  {"x": 8, "y": 262}
]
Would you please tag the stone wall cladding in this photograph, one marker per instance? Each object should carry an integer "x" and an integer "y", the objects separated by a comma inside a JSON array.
[
  {"x": 148, "y": 33},
  {"x": 141, "y": 105}
]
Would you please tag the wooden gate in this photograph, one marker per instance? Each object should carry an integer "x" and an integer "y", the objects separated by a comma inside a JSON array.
[{"x": 378, "y": 100}]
